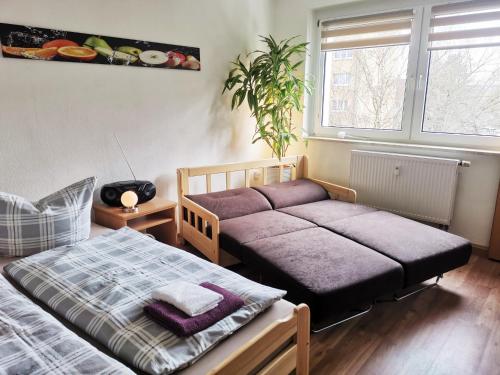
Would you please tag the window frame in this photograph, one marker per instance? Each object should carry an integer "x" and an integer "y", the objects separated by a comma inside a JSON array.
[{"x": 416, "y": 82}]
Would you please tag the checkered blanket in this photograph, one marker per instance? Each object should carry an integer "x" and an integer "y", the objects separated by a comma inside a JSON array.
[
  {"x": 32, "y": 342},
  {"x": 101, "y": 285}
]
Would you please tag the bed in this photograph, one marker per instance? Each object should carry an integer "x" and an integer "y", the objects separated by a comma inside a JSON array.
[
  {"x": 277, "y": 339},
  {"x": 311, "y": 238}
]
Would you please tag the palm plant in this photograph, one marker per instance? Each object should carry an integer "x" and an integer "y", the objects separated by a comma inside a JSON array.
[{"x": 272, "y": 89}]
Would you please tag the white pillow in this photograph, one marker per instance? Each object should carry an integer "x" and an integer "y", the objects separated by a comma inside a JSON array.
[{"x": 62, "y": 218}]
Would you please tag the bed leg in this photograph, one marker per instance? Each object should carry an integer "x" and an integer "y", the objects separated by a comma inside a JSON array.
[
  {"x": 180, "y": 240},
  {"x": 356, "y": 314},
  {"x": 425, "y": 287}
]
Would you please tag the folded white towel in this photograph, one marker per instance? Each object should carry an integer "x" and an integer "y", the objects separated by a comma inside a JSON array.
[{"x": 191, "y": 298}]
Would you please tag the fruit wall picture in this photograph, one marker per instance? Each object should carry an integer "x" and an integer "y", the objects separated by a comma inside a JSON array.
[{"x": 35, "y": 43}]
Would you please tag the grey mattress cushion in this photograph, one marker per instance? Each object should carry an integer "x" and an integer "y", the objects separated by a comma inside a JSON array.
[
  {"x": 293, "y": 193},
  {"x": 33, "y": 342},
  {"x": 423, "y": 251},
  {"x": 327, "y": 271},
  {"x": 326, "y": 211},
  {"x": 260, "y": 225},
  {"x": 62, "y": 218},
  {"x": 232, "y": 203}
]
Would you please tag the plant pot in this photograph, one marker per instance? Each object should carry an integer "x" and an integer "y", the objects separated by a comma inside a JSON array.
[{"x": 273, "y": 174}]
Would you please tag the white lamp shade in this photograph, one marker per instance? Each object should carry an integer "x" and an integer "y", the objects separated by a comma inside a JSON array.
[{"x": 129, "y": 199}]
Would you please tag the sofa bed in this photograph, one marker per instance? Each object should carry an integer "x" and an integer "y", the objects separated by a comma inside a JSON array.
[{"x": 310, "y": 238}]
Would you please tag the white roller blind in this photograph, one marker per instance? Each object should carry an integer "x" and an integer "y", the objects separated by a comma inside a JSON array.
[
  {"x": 384, "y": 29},
  {"x": 465, "y": 25}
]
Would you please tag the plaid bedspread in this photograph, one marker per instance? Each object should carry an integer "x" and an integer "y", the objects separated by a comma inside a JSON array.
[
  {"x": 33, "y": 342},
  {"x": 101, "y": 285}
]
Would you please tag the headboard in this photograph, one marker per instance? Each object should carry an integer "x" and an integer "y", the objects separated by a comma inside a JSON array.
[{"x": 297, "y": 164}]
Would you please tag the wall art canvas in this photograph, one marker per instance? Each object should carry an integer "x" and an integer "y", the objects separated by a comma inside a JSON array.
[{"x": 36, "y": 43}]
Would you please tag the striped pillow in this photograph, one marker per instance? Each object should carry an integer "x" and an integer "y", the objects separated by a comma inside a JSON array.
[{"x": 62, "y": 218}]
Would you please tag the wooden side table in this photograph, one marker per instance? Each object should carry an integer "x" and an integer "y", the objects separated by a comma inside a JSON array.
[
  {"x": 494, "y": 250},
  {"x": 156, "y": 217}
]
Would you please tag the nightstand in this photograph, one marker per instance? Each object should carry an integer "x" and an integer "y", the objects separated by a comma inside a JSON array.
[{"x": 156, "y": 217}]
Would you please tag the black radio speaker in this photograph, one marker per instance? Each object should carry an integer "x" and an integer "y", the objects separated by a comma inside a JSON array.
[{"x": 111, "y": 193}]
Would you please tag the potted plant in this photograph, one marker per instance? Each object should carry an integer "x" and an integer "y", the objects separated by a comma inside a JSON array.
[{"x": 270, "y": 84}]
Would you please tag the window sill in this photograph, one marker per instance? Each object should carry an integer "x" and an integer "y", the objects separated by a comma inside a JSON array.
[{"x": 405, "y": 145}]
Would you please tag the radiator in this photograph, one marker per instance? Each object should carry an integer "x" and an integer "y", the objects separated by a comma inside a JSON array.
[{"x": 418, "y": 187}]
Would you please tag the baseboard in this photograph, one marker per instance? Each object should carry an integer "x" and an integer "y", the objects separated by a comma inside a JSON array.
[{"x": 480, "y": 251}]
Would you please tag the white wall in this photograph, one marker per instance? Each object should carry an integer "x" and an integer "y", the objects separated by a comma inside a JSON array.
[
  {"x": 478, "y": 185},
  {"x": 57, "y": 119}
]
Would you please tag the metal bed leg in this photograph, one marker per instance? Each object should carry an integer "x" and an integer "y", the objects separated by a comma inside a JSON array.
[
  {"x": 356, "y": 315},
  {"x": 425, "y": 287},
  {"x": 369, "y": 308},
  {"x": 396, "y": 298}
]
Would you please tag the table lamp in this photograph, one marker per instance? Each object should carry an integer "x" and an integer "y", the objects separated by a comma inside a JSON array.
[{"x": 129, "y": 200}]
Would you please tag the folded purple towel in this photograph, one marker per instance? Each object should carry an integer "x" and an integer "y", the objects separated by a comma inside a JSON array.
[{"x": 182, "y": 324}]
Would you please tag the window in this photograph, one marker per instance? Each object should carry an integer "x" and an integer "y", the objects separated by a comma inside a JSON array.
[
  {"x": 429, "y": 74},
  {"x": 378, "y": 46},
  {"x": 463, "y": 84}
]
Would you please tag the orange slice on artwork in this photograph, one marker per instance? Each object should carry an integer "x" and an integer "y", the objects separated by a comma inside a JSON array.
[
  {"x": 41, "y": 54},
  {"x": 77, "y": 53},
  {"x": 59, "y": 43},
  {"x": 17, "y": 51}
]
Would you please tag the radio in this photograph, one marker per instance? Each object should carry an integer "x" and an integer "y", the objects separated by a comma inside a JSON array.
[{"x": 111, "y": 193}]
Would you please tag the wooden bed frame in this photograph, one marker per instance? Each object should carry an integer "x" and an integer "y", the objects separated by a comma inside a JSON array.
[
  {"x": 281, "y": 348},
  {"x": 200, "y": 227}
]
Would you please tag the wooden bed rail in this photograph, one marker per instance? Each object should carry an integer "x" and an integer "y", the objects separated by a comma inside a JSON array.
[
  {"x": 296, "y": 163},
  {"x": 278, "y": 350},
  {"x": 200, "y": 228},
  {"x": 336, "y": 191}
]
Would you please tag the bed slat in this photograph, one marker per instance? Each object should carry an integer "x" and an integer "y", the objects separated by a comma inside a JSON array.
[
  {"x": 209, "y": 183},
  {"x": 247, "y": 178}
]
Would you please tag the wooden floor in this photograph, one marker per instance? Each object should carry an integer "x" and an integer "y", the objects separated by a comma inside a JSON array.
[{"x": 450, "y": 329}]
